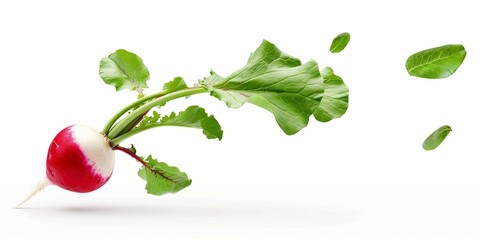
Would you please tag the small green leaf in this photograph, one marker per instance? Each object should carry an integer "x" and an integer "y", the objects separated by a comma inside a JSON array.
[
  {"x": 436, "y": 138},
  {"x": 175, "y": 85},
  {"x": 340, "y": 42},
  {"x": 436, "y": 63},
  {"x": 124, "y": 70},
  {"x": 275, "y": 81},
  {"x": 162, "y": 178},
  {"x": 193, "y": 116},
  {"x": 335, "y": 98}
]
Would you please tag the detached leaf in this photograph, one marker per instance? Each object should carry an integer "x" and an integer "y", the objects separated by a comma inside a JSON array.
[
  {"x": 435, "y": 63},
  {"x": 436, "y": 138},
  {"x": 162, "y": 178},
  {"x": 193, "y": 116},
  {"x": 176, "y": 84},
  {"x": 124, "y": 70},
  {"x": 275, "y": 81},
  {"x": 335, "y": 98},
  {"x": 340, "y": 42}
]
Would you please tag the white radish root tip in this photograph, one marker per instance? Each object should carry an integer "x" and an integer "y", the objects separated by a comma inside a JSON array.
[{"x": 40, "y": 186}]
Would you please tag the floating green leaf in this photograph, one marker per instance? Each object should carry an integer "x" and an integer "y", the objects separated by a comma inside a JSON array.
[
  {"x": 162, "y": 178},
  {"x": 435, "y": 63},
  {"x": 436, "y": 138},
  {"x": 275, "y": 81},
  {"x": 340, "y": 42},
  {"x": 335, "y": 98},
  {"x": 193, "y": 116},
  {"x": 124, "y": 70}
]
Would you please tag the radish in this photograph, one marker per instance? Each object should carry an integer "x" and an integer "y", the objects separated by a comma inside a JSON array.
[{"x": 81, "y": 159}]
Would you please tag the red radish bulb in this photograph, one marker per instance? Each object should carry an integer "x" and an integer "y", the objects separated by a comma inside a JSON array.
[{"x": 79, "y": 159}]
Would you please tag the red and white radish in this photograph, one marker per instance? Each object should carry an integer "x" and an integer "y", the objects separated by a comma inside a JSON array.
[{"x": 79, "y": 159}]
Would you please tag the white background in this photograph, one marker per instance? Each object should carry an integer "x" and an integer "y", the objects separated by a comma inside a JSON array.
[{"x": 364, "y": 176}]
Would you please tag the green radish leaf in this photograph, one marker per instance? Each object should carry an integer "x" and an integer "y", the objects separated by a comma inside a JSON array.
[
  {"x": 436, "y": 138},
  {"x": 436, "y": 63},
  {"x": 340, "y": 42},
  {"x": 193, "y": 116},
  {"x": 124, "y": 70},
  {"x": 335, "y": 98},
  {"x": 176, "y": 84},
  {"x": 162, "y": 178},
  {"x": 275, "y": 81},
  {"x": 211, "y": 128}
]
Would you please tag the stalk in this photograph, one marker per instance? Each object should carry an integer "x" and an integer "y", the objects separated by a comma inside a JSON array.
[
  {"x": 119, "y": 139},
  {"x": 141, "y": 161},
  {"x": 119, "y": 114},
  {"x": 124, "y": 123},
  {"x": 133, "y": 123}
]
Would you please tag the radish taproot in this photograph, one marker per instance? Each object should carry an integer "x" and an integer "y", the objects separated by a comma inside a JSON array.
[{"x": 81, "y": 159}]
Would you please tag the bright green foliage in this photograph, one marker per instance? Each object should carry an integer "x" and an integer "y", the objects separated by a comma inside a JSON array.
[
  {"x": 335, "y": 98},
  {"x": 271, "y": 79},
  {"x": 175, "y": 85},
  {"x": 124, "y": 70},
  {"x": 162, "y": 178},
  {"x": 193, "y": 116},
  {"x": 435, "y": 63},
  {"x": 340, "y": 42},
  {"x": 436, "y": 138},
  {"x": 275, "y": 81}
]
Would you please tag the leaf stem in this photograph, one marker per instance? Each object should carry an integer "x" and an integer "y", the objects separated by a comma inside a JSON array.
[
  {"x": 132, "y": 154},
  {"x": 133, "y": 123},
  {"x": 140, "y": 160},
  {"x": 135, "y": 131},
  {"x": 116, "y": 130},
  {"x": 119, "y": 114}
]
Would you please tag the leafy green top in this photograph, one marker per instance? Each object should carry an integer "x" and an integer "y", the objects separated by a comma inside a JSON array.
[{"x": 271, "y": 79}]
